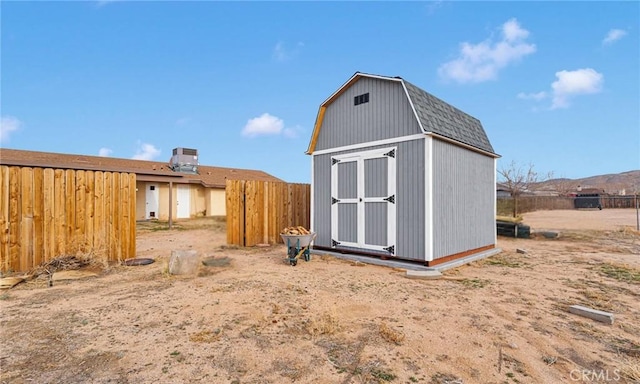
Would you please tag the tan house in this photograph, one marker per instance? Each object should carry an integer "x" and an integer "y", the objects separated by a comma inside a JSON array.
[{"x": 180, "y": 188}]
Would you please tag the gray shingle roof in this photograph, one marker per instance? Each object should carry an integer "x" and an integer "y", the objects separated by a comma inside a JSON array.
[{"x": 444, "y": 119}]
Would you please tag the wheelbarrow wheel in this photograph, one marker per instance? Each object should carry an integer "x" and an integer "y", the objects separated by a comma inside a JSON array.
[{"x": 293, "y": 262}]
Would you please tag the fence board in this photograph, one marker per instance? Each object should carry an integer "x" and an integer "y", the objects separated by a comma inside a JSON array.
[
  {"x": 26, "y": 218},
  {"x": 89, "y": 203},
  {"x": 49, "y": 228},
  {"x": 14, "y": 219},
  {"x": 258, "y": 210},
  {"x": 80, "y": 211},
  {"x": 116, "y": 209},
  {"x": 60, "y": 212},
  {"x": 70, "y": 209},
  {"x": 108, "y": 211},
  {"x": 4, "y": 217},
  {"x": 132, "y": 217},
  {"x": 124, "y": 225},
  {"x": 99, "y": 243},
  {"x": 38, "y": 216},
  {"x": 48, "y": 213}
]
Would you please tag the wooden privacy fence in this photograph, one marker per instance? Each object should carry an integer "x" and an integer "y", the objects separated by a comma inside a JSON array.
[
  {"x": 258, "y": 210},
  {"x": 46, "y": 213}
]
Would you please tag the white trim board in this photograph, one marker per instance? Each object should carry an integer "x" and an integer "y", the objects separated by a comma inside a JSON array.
[{"x": 368, "y": 144}]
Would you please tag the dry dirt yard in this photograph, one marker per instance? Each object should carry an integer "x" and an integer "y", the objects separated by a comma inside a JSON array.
[{"x": 253, "y": 318}]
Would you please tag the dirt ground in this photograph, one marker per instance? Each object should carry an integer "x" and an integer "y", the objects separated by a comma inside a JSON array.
[{"x": 253, "y": 318}]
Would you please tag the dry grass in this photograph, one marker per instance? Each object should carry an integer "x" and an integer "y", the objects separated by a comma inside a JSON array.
[
  {"x": 444, "y": 378},
  {"x": 391, "y": 335},
  {"x": 599, "y": 300},
  {"x": 325, "y": 324},
  {"x": 214, "y": 223},
  {"x": 630, "y": 369},
  {"x": 504, "y": 260},
  {"x": 206, "y": 336},
  {"x": 474, "y": 283},
  {"x": 620, "y": 272}
]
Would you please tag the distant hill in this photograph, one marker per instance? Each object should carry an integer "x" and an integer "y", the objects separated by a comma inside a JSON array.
[{"x": 617, "y": 183}]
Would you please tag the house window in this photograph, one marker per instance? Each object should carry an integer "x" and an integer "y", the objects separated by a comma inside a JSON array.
[
  {"x": 152, "y": 188},
  {"x": 361, "y": 99}
]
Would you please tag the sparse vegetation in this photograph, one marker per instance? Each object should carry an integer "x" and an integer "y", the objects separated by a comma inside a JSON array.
[
  {"x": 621, "y": 272},
  {"x": 207, "y": 336},
  {"x": 259, "y": 320},
  {"x": 391, "y": 335},
  {"x": 326, "y": 324},
  {"x": 504, "y": 260},
  {"x": 474, "y": 283}
]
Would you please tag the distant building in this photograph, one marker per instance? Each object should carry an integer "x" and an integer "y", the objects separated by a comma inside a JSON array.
[{"x": 180, "y": 187}]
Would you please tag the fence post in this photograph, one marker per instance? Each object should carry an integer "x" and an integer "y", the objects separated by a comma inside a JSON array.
[{"x": 637, "y": 212}]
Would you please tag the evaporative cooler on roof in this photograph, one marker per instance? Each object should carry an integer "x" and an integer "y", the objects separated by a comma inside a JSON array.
[{"x": 184, "y": 160}]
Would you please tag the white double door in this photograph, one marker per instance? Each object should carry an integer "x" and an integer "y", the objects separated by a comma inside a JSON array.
[{"x": 363, "y": 200}]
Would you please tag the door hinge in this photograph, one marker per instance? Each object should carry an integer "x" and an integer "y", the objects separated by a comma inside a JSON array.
[
  {"x": 334, "y": 161},
  {"x": 334, "y": 200},
  {"x": 391, "y": 199},
  {"x": 334, "y": 243},
  {"x": 391, "y": 153},
  {"x": 390, "y": 249}
]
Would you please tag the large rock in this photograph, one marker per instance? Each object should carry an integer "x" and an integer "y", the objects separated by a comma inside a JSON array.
[{"x": 183, "y": 262}]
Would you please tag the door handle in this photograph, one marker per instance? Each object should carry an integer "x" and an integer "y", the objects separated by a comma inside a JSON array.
[{"x": 361, "y": 199}]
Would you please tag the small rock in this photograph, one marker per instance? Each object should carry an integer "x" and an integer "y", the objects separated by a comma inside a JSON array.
[
  {"x": 513, "y": 346},
  {"x": 520, "y": 250}
]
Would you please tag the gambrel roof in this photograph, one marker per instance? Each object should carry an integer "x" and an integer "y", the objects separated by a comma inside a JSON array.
[{"x": 434, "y": 116}]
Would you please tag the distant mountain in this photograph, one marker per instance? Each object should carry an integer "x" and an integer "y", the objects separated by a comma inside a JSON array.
[{"x": 617, "y": 183}]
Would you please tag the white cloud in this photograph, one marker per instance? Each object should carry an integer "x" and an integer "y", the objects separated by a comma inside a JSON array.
[
  {"x": 532, "y": 96},
  {"x": 8, "y": 125},
  {"x": 614, "y": 35},
  {"x": 482, "y": 62},
  {"x": 263, "y": 125},
  {"x": 146, "y": 152},
  {"x": 571, "y": 83},
  {"x": 282, "y": 53},
  {"x": 105, "y": 152}
]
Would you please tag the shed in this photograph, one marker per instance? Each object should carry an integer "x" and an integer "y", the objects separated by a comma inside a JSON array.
[{"x": 399, "y": 173}]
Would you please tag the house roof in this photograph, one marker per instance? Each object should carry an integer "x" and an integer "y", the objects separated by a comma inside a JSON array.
[
  {"x": 433, "y": 115},
  {"x": 208, "y": 176}
]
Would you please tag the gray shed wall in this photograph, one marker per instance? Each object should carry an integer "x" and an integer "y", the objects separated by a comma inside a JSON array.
[
  {"x": 463, "y": 199},
  {"x": 388, "y": 114},
  {"x": 410, "y": 199}
]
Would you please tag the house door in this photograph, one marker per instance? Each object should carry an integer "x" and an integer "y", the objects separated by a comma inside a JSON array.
[
  {"x": 363, "y": 209},
  {"x": 183, "y": 202},
  {"x": 151, "y": 197}
]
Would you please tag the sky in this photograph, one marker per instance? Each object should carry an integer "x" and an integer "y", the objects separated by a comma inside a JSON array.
[{"x": 556, "y": 85}]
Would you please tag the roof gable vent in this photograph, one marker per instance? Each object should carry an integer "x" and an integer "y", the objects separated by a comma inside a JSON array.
[{"x": 184, "y": 160}]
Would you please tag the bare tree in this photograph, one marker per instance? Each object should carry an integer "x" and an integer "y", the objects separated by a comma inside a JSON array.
[
  {"x": 564, "y": 186},
  {"x": 517, "y": 179}
]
